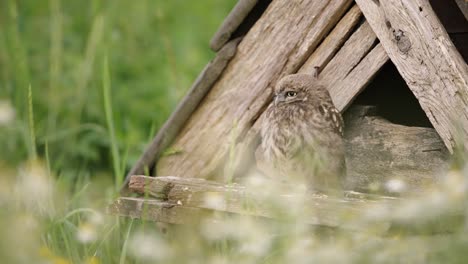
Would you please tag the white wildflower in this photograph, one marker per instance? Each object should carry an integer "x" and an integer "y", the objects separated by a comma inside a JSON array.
[
  {"x": 256, "y": 245},
  {"x": 217, "y": 230},
  {"x": 148, "y": 246},
  {"x": 300, "y": 250},
  {"x": 455, "y": 184},
  {"x": 7, "y": 112},
  {"x": 96, "y": 218},
  {"x": 215, "y": 201},
  {"x": 396, "y": 186},
  {"x": 86, "y": 233},
  {"x": 34, "y": 188}
]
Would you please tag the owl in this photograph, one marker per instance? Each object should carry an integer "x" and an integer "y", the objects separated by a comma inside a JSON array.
[{"x": 302, "y": 136}]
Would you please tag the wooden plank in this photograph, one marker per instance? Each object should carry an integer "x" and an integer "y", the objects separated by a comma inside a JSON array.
[
  {"x": 231, "y": 23},
  {"x": 199, "y": 193},
  {"x": 280, "y": 41},
  {"x": 155, "y": 210},
  {"x": 352, "y": 68},
  {"x": 344, "y": 90},
  {"x": 360, "y": 212},
  {"x": 463, "y": 5},
  {"x": 333, "y": 42},
  {"x": 423, "y": 53},
  {"x": 379, "y": 153},
  {"x": 183, "y": 111}
]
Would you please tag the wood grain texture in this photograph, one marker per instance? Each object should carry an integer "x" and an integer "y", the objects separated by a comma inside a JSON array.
[
  {"x": 378, "y": 152},
  {"x": 333, "y": 42},
  {"x": 345, "y": 89},
  {"x": 231, "y": 23},
  {"x": 281, "y": 40},
  {"x": 155, "y": 210},
  {"x": 353, "y": 66},
  {"x": 209, "y": 195},
  {"x": 187, "y": 200},
  {"x": 463, "y": 5},
  {"x": 183, "y": 111},
  {"x": 423, "y": 53}
]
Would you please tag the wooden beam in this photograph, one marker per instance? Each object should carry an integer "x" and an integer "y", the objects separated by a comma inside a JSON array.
[
  {"x": 279, "y": 43},
  {"x": 155, "y": 210},
  {"x": 188, "y": 200},
  {"x": 423, "y": 53},
  {"x": 463, "y": 5},
  {"x": 231, "y": 23},
  {"x": 333, "y": 42},
  {"x": 379, "y": 152},
  {"x": 352, "y": 68},
  {"x": 343, "y": 91},
  {"x": 203, "y": 194},
  {"x": 183, "y": 111}
]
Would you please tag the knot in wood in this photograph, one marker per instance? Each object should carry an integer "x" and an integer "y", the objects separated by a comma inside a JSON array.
[
  {"x": 166, "y": 189},
  {"x": 403, "y": 42}
]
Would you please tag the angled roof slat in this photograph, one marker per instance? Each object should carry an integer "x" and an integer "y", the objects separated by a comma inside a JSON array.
[
  {"x": 176, "y": 121},
  {"x": 424, "y": 55},
  {"x": 231, "y": 23}
]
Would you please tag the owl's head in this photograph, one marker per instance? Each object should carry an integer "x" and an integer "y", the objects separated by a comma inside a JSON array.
[{"x": 299, "y": 88}]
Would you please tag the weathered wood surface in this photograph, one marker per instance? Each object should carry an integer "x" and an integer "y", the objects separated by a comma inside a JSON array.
[
  {"x": 463, "y": 5},
  {"x": 379, "y": 153},
  {"x": 155, "y": 210},
  {"x": 231, "y": 23},
  {"x": 423, "y": 53},
  {"x": 183, "y": 111},
  {"x": 333, "y": 42},
  {"x": 203, "y": 194},
  {"x": 278, "y": 44},
  {"x": 355, "y": 64},
  {"x": 349, "y": 63},
  {"x": 186, "y": 200}
]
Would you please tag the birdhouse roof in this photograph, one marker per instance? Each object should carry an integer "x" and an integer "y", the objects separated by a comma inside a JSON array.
[{"x": 345, "y": 42}]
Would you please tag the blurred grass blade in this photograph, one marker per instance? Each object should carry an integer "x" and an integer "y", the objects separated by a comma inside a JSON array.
[
  {"x": 106, "y": 86},
  {"x": 55, "y": 58},
  {"x": 32, "y": 134},
  {"x": 123, "y": 255}
]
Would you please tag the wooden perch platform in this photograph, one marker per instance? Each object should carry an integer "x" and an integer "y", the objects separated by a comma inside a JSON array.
[{"x": 178, "y": 200}]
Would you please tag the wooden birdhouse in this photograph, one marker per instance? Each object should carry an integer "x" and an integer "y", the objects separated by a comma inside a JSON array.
[{"x": 396, "y": 69}]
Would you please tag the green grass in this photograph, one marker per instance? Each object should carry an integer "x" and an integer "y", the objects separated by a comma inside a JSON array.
[{"x": 84, "y": 86}]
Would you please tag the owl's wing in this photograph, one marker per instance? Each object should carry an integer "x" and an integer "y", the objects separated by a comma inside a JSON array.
[{"x": 333, "y": 116}]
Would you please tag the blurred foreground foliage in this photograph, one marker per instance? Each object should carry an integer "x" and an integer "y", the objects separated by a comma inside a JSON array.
[
  {"x": 84, "y": 85},
  {"x": 155, "y": 49}
]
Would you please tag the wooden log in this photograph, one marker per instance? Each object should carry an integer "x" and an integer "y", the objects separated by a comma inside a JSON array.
[
  {"x": 186, "y": 201},
  {"x": 379, "y": 153},
  {"x": 423, "y": 53},
  {"x": 155, "y": 210},
  {"x": 231, "y": 23},
  {"x": 235, "y": 198},
  {"x": 281, "y": 40},
  {"x": 183, "y": 111}
]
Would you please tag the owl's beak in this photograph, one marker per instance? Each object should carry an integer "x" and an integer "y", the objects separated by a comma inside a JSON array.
[{"x": 279, "y": 98}]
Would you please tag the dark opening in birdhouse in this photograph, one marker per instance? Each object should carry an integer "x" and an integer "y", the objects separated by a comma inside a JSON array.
[{"x": 393, "y": 99}]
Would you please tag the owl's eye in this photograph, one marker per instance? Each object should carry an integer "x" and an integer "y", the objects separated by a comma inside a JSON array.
[{"x": 291, "y": 94}]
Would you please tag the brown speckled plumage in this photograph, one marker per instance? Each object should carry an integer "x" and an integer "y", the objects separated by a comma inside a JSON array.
[{"x": 302, "y": 135}]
